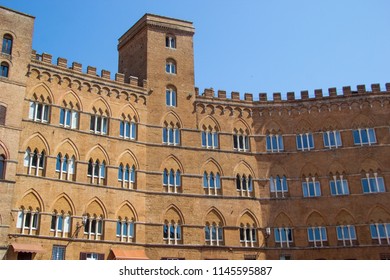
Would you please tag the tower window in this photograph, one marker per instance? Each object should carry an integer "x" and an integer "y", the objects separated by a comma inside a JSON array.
[
  {"x": 170, "y": 42},
  {"x": 7, "y": 44},
  {"x": 4, "y": 69}
]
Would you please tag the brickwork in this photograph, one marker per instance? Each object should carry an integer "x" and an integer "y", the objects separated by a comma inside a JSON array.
[{"x": 207, "y": 169}]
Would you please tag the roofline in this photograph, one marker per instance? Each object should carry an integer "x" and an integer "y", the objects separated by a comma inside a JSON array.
[{"x": 17, "y": 12}]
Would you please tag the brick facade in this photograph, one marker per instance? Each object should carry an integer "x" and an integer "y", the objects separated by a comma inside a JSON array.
[{"x": 144, "y": 162}]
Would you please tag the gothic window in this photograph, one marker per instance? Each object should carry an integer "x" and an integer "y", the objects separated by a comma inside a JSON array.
[
  {"x": 60, "y": 224},
  {"x": 28, "y": 221},
  {"x": 209, "y": 139},
  {"x": 35, "y": 162},
  {"x": 248, "y": 235},
  {"x": 39, "y": 111},
  {"x": 125, "y": 230},
  {"x": 172, "y": 180},
  {"x": 65, "y": 167},
  {"x": 332, "y": 139},
  {"x": 283, "y": 236},
  {"x": 372, "y": 182},
  {"x": 244, "y": 185},
  {"x": 278, "y": 186},
  {"x": 126, "y": 176},
  {"x": 338, "y": 185},
  {"x": 274, "y": 143},
  {"x": 172, "y": 232},
  {"x": 170, "y": 66},
  {"x": 93, "y": 227},
  {"x": 128, "y": 129},
  {"x": 171, "y": 135},
  {"x": 213, "y": 233},
  {"x": 97, "y": 171},
  {"x": 317, "y": 236},
  {"x": 240, "y": 141},
  {"x": 305, "y": 141},
  {"x": 69, "y": 117},
  {"x": 212, "y": 183},
  {"x": 170, "y": 96},
  {"x": 311, "y": 187},
  {"x": 364, "y": 136}
]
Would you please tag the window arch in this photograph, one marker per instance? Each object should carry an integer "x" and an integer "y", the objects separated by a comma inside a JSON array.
[
  {"x": 4, "y": 69},
  {"x": 97, "y": 171},
  {"x": 170, "y": 96},
  {"x": 65, "y": 166},
  {"x": 244, "y": 185},
  {"x": 60, "y": 223},
  {"x": 248, "y": 234},
  {"x": 170, "y": 41},
  {"x": 35, "y": 162},
  {"x": 39, "y": 109},
  {"x": 172, "y": 180},
  {"x": 172, "y": 232},
  {"x": 278, "y": 186},
  {"x": 7, "y": 44},
  {"x": 125, "y": 229},
  {"x": 240, "y": 140},
  {"x": 212, "y": 183},
  {"x": 171, "y": 134},
  {"x": 126, "y": 176},
  {"x": 128, "y": 128},
  {"x": 170, "y": 66},
  {"x": 69, "y": 115}
]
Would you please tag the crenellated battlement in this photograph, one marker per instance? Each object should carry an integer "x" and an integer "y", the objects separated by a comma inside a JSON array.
[
  {"x": 276, "y": 97},
  {"x": 77, "y": 68}
]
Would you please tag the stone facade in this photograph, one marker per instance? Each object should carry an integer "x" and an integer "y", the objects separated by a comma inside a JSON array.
[{"x": 145, "y": 165}]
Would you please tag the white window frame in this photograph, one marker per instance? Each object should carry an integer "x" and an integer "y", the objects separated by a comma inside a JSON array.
[
  {"x": 170, "y": 67},
  {"x": 305, "y": 141},
  {"x": 65, "y": 228},
  {"x": 94, "y": 234},
  {"x": 245, "y": 188},
  {"x": 283, "y": 236},
  {"x": 212, "y": 187},
  {"x": 207, "y": 136},
  {"x": 170, "y": 97},
  {"x": 240, "y": 142},
  {"x": 103, "y": 120},
  {"x": 337, "y": 181},
  {"x": 218, "y": 240},
  {"x": 346, "y": 234},
  {"x": 332, "y": 136},
  {"x": 177, "y": 233},
  {"x": 274, "y": 143},
  {"x": 172, "y": 187},
  {"x": 361, "y": 133},
  {"x": 129, "y": 130},
  {"x": 310, "y": 182},
  {"x": 379, "y": 235},
  {"x": 249, "y": 234},
  {"x": 322, "y": 235},
  {"x": 278, "y": 181},
  {"x": 128, "y": 235},
  {"x": 172, "y": 135},
  {"x": 170, "y": 42},
  {"x": 27, "y": 225},
  {"x": 43, "y": 117},
  {"x": 375, "y": 185},
  {"x": 71, "y": 115}
]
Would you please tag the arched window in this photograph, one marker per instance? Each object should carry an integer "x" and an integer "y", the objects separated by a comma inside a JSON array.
[
  {"x": 170, "y": 66},
  {"x": 213, "y": 233},
  {"x": 274, "y": 143},
  {"x": 172, "y": 180},
  {"x": 4, "y": 69},
  {"x": 372, "y": 182},
  {"x": 240, "y": 141},
  {"x": 126, "y": 176},
  {"x": 244, "y": 185},
  {"x": 212, "y": 183},
  {"x": 7, "y": 44},
  {"x": 278, "y": 186},
  {"x": 311, "y": 187},
  {"x": 125, "y": 229},
  {"x": 209, "y": 139},
  {"x": 65, "y": 166},
  {"x": 170, "y": 42},
  {"x": 60, "y": 224},
  {"x": 97, "y": 171},
  {"x": 128, "y": 129},
  {"x": 28, "y": 221},
  {"x": 172, "y": 232},
  {"x": 39, "y": 111},
  {"x": 338, "y": 185},
  {"x": 248, "y": 235},
  {"x": 170, "y": 97},
  {"x": 283, "y": 236},
  {"x": 99, "y": 122},
  {"x": 93, "y": 227},
  {"x": 69, "y": 117},
  {"x": 34, "y": 161},
  {"x": 171, "y": 135},
  {"x": 2, "y": 167}
]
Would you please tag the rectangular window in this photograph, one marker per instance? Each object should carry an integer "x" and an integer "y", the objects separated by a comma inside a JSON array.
[
  {"x": 380, "y": 233},
  {"x": 317, "y": 236},
  {"x": 283, "y": 236},
  {"x": 58, "y": 252},
  {"x": 39, "y": 112},
  {"x": 98, "y": 124},
  {"x": 311, "y": 188},
  {"x": 364, "y": 136},
  {"x": 278, "y": 186},
  {"x": 346, "y": 234},
  {"x": 241, "y": 142},
  {"x": 332, "y": 139},
  {"x": 274, "y": 143},
  {"x": 338, "y": 186},
  {"x": 373, "y": 184},
  {"x": 305, "y": 142}
]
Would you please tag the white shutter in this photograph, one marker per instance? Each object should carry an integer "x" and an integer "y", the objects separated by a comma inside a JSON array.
[{"x": 20, "y": 220}]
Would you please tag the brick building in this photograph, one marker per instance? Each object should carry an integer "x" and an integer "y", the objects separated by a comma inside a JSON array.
[{"x": 144, "y": 166}]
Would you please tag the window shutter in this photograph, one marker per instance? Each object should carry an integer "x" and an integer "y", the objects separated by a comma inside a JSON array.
[
  {"x": 20, "y": 220},
  {"x": 32, "y": 111}
]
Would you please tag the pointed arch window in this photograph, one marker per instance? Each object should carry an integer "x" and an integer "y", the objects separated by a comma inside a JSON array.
[
  {"x": 210, "y": 139},
  {"x": 65, "y": 166},
  {"x": 248, "y": 235},
  {"x": 240, "y": 141},
  {"x": 278, "y": 186},
  {"x": 69, "y": 118},
  {"x": 39, "y": 111},
  {"x": 60, "y": 224},
  {"x": 99, "y": 122},
  {"x": 125, "y": 230},
  {"x": 372, "y": 182},
  {"x": 311, "y": 187},
  {"x": 332, "y": 139},
  {"x": 338, "y": 185},
  {"x": 380, "y": 233},
  {"x": 283, "y": 236},
  {"x": 244, "y": 185},
  {"x": 35, "y": 162},
  {"x": 274, "y": 143},
  {"x": 305, "y": 141},
  {"x": 364, "y": 136},
  {"x": 212, "y": 183},
  {"x": 28, "y": 221},
  {"x": 126, "y": 176},
  {"x": 172, "y": 232},
  {"x": 317, "y": 236},
  {"x": 346, "y": 235},
  {"x": 213, "y": 234},
  {"x": 97, "y": 171},
  {"x": 93, "y": 227},
  {"x": 171, "y": 135},
  {"x": 172, "y": 180},
  {"x": 128, "y": 129}
]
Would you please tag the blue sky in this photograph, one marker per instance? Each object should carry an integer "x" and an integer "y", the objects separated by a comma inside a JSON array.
[{"x": 247, "y": 46}]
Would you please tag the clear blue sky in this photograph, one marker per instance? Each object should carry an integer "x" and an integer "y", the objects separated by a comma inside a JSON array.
[{"x": 247, "y": 46}]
